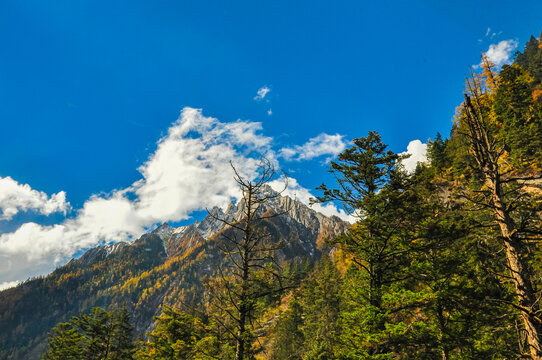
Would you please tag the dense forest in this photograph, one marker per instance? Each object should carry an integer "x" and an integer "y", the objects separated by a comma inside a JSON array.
[{"x": 442, "y": 263}]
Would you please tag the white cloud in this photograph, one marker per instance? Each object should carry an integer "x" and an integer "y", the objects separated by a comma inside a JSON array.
[
  {"x": 8, "y": 284},
  {"x": 323, "y": 144},
  {"x": 489, "y": 35},
  {"x": 189, "y": 171},
  {"x": 15, "y": 197},
  {"x": 296, "y": 191},
  {"x": 269, "y": 112},
  {"x": 262, "y": 92},
  {"x": 418, "y": 153},
  {"x": 500, "y": 53},
  {"x": 195, "y": 170}
]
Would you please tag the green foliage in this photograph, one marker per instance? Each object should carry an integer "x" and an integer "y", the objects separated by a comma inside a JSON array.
[
  {"x": 100, "y": 335},
  {"x": 175, "y": 337},
  {"x": 65, "y": 343},
  {"x": 30, "y": 311},
  {"x": 436, "y": 153},
  {"x": 122, "y": 346},
  {"x": 531, "y": 58},
  {"x": 321, "y": 304},
  {"x": 361, "y": 171},
  {"x": 420, "y": 275},
  {"x": 377, "y": 291},
  {"x": 288, "y": 338},
  {"x": 519, "y": 116}
]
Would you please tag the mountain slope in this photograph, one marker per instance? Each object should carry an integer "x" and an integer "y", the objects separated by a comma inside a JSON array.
[{"x": 166, "y": 266}]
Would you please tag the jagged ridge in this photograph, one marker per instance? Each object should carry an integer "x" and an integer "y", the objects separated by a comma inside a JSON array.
[{"x": 164, "y": 266}]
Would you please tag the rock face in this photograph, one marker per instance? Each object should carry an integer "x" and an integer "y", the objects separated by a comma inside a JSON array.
[
  {"x": 297, "y": 222},
  {"x": 166, "y": 265}
]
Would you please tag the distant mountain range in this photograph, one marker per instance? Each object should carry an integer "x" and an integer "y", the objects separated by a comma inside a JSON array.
[{"x": 165, "y": 266}]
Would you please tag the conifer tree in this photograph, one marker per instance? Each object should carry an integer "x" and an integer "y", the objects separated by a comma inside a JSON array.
[
  {"x": 122, "y": 347},
  {"x": 100, "y": 335},
  {"x": 531, "y": 58},
  {"x": 436, "y": 153},
  {"x": 515, "y": 211},
  {"x": 374, "y": 188},
  {"x": 450, "y": 263},
  {"x": 97, "y": 330},
  {"x": 288, "y": 338},
  {"x": 64, "y": 343},
  {"x": 174, "y": 337},
  {"x": 519, "y": 117},
  {"x": 320, "y": 302}
]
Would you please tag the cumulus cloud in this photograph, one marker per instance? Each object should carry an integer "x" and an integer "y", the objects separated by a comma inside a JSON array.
[
  {"x": 418, "y": 153},
  {"x": 323, "y": 144},
  {"x": 298, "y": 192},
  {"x": 15, "y": 197},
  {"x": 501, "y": 53},
  {"x": 188, "y": 171},
  {"x": 8, "y": 284},
  {"x": 262, "y": 92}
]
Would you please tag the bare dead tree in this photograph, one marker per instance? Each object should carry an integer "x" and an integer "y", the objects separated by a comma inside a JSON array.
[
  {"x": 515, "y": 211},
  {"x": 250, "y": 271}
]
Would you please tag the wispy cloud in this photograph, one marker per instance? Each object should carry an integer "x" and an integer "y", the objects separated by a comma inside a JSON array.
[
  {"x": 15, "y": 198},
  {"x": 323, "y": 144},
  {"x": 262, "y": 92},
  {"x": 489, "y": 35}
]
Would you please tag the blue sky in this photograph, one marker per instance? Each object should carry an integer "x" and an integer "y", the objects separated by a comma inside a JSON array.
[{"x": 88, "y": 88}]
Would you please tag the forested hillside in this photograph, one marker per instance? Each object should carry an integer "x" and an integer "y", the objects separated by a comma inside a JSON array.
[
  {"x": 442, "y": 263},
  {"x": 167, "y": 266}
]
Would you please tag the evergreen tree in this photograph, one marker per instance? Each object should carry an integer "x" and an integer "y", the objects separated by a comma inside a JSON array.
[
  {"x": 122, "y": 347},
  {"x": 321, "y": 307},
  {"x": 100, "y": 335},
  {"x": 174, "y": 337},
  {"x": 519, "y": 117},
  {"x": 450, "y": 266},
  {"x": 64, "y": 343},
  {"x": 97, "y": 330},
  {"x": 436, "y": 153},
  {"x": 377, "y": 191},
  {"x": 531, "y": 58},
  {"x": 288, "y": 338},
  {"x": 515, "y": 212}
]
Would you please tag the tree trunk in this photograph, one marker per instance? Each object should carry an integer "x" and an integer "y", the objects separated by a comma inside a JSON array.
[
  {"x": 442, "y": 326},
  {"x": 518, "y": 271},
  {"x": 243, "y": 311},
  {"x": 240, "y": 350},
  {"x": 487, "y": 156}
]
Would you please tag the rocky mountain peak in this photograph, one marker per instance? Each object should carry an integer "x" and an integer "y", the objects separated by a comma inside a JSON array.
[
  {"x": 166, "y": 265},
  {"x": 163, "y": 230},
  {"x": 309, "y": 225}
]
